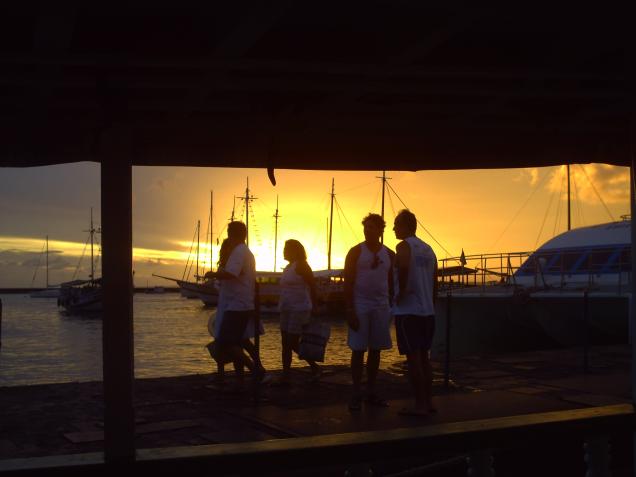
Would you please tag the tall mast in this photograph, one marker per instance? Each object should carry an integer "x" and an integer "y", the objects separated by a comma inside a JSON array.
[
  {"x": 276, "y": 217},
  {"x": 196, "y": 275},
  {"x": 384, "y": 179},
  {"x": 330, "y": 225},
  {"x": 568, "y": 172},
  {"x": 247, "y": 198},
  {"x": 233, "y": 208},
  {"x": 47, "y": 261},
  {"x": 92, "y": 231},
  {"x": 211, "y": 225}
]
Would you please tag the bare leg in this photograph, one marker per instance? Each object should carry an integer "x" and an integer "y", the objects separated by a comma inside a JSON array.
[
  {"x": 286, "y": 353},
  {"x": 294, "y": 343},
  {"x": 427, "y": 370},
  {"x": 373, "y": 364},
  {"x": 357, "y": 363},
  {"x": 251, "y": 350},
  {"x": 417, "y": 378}
]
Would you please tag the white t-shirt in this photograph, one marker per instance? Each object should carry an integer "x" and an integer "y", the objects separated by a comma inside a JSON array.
[
  {"x": 237, "y": 294},
  {"x": 419, "y": 289},
  {"x": 371, "y": 286},
  {"x": 294, "y": 291}
]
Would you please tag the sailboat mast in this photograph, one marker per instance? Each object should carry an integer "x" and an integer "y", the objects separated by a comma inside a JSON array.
[
  {"x": 569, "y": 220},
  {"x": 382, "y": 209},
  {"x": 247, "y": 212},
  {"x": 92, "y": 231},
  {"x": 330, "y": 225},
  {"x": 276, "y": 217},
  {"x": 211, "y": 226},
  {"x": 196, "y": 275},
  {"x": 47, "y": 261}
]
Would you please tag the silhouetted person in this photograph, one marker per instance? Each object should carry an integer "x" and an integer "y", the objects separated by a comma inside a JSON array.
[
  {"x": 236, "y": 299},
  {"x": 414, "y": 310},
  {"x": 296, "y": 302},
  {"x": 368, "y": 286}
]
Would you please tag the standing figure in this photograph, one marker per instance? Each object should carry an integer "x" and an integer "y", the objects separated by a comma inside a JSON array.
[
  {"x": 296, "y": 302},
  {"x": 414, "y": 309},
  {"x": 237, "y": 279},
  {"x": 368, "y": 289}
]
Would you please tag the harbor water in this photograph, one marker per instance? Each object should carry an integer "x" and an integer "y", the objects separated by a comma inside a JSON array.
[{"x": 41, "y": 344}]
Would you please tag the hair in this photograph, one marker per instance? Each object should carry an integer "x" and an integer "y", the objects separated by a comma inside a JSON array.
[
  {"x": 224, "y": 252},
  {"x": 375, "y": 219},
  {"x": 296, "y": 250},
  {"x": 408, "y": 219},
  {"x": 236, "y": 231}
]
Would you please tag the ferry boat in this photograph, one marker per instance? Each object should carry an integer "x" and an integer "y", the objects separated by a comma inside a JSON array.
[{"x": 574, "y": 288}]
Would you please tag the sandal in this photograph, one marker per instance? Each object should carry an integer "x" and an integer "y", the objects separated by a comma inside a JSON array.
[
  {"x": 355, "y": 404},
  {"x": 377, "y": 401}
]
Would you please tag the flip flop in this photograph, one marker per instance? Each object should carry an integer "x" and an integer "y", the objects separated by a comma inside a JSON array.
[
  {"x": 411, "y": 411},
  {"x": 377, "y": 401}
]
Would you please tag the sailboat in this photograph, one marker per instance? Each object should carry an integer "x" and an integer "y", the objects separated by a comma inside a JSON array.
[
  {"x": 201, "y": 288},
  {"x": 79, "y": 296},
  {"x": 49, "y": 291}
]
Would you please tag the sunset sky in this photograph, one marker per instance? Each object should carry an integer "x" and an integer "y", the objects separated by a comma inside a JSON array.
[{"x": 477, "y": 210}]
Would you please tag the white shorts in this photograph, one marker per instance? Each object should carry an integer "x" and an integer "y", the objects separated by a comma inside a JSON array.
[
  {"x": 292, "y": 322},
  {"x": 374, "y": 331}
]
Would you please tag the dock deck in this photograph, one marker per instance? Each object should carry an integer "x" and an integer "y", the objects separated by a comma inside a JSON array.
[{"x": 191, "y": 410}]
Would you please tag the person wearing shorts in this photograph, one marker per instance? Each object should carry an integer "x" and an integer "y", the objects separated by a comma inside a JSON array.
[
  {"x": 414, "y": 309},
  {"x": 296, "y": 303},
  {"x": 237, "y": 277},
  {"x": 368, "y": 285}
]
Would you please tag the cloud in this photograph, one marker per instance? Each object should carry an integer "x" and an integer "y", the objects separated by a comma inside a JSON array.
[{"x": 610, "y": 182}]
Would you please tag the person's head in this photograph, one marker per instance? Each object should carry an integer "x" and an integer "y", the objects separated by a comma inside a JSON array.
[
  {"x": 236, "y": 232},
  {"x": 294, "y": 251},
  {"x": 405, "y": 224},
  {"x": 373, "y": 225}
]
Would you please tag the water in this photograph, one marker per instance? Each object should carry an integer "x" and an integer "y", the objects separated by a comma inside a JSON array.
[{"x": 40, "y": 344}]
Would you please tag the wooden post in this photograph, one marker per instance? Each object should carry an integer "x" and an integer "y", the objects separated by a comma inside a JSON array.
[
  {"x": 117, "y": 325},
  {"x": 586, "y": 332},
  {"x": 448, "y": 343}
]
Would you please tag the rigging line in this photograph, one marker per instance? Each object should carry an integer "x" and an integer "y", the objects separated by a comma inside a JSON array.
[
  {"x": 355, "y": 188},
  {"x": 545, "y": 218},
  {"x": 183, "y": 276},
  {"x": 375, "y": 201},
  {"x": 355, "y": 236},
  {"x": 558, "y": 211},
  {"x": 37, "y": 267},
  {"x": 597, "y": 194},
  {"x": 523, "y": 206},
  {"x": 418, "y": 221},
  {"x": 79, "y": 263},
  {"x": 578, "y": 202}
]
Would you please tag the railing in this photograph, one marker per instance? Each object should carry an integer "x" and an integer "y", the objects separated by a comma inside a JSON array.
[
  {"x": 478, "y": 440},
  {"x": 600, "y": 268}
]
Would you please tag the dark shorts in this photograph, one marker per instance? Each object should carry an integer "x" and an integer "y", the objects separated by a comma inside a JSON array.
[
  {"x": 414, "y": 333},
  {"x": 233, "y": 327}
]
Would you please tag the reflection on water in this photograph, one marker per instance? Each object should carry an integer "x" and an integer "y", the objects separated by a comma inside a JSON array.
[{"x": 42, "y": 345}]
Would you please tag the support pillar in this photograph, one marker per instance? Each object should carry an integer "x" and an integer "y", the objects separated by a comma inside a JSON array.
[{"x": 117, "y": 325}]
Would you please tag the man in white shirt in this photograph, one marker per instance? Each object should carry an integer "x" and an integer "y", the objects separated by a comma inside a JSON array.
[
  {"x": 368, "y": 287},
  {"x": 414, "y": 309},
  {"x": 237, "y": 277}
]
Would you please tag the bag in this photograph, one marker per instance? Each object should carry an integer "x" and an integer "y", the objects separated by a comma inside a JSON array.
[{"x": 313, "y": 341}]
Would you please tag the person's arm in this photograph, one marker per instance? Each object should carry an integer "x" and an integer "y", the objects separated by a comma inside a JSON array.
[
  {"x": 390, "y": 276},
  {"x": 220, "y": 274},
  {"x": 349, "y": 281},
  {"x": 403, "y": 260},
  {"x": 304, "y": 270}
]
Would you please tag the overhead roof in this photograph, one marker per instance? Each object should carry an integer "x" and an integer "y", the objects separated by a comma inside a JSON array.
[{"x": 374, "y": 84}]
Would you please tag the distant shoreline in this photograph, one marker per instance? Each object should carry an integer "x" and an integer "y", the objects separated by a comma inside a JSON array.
[{"x": 31, "y": 290}]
